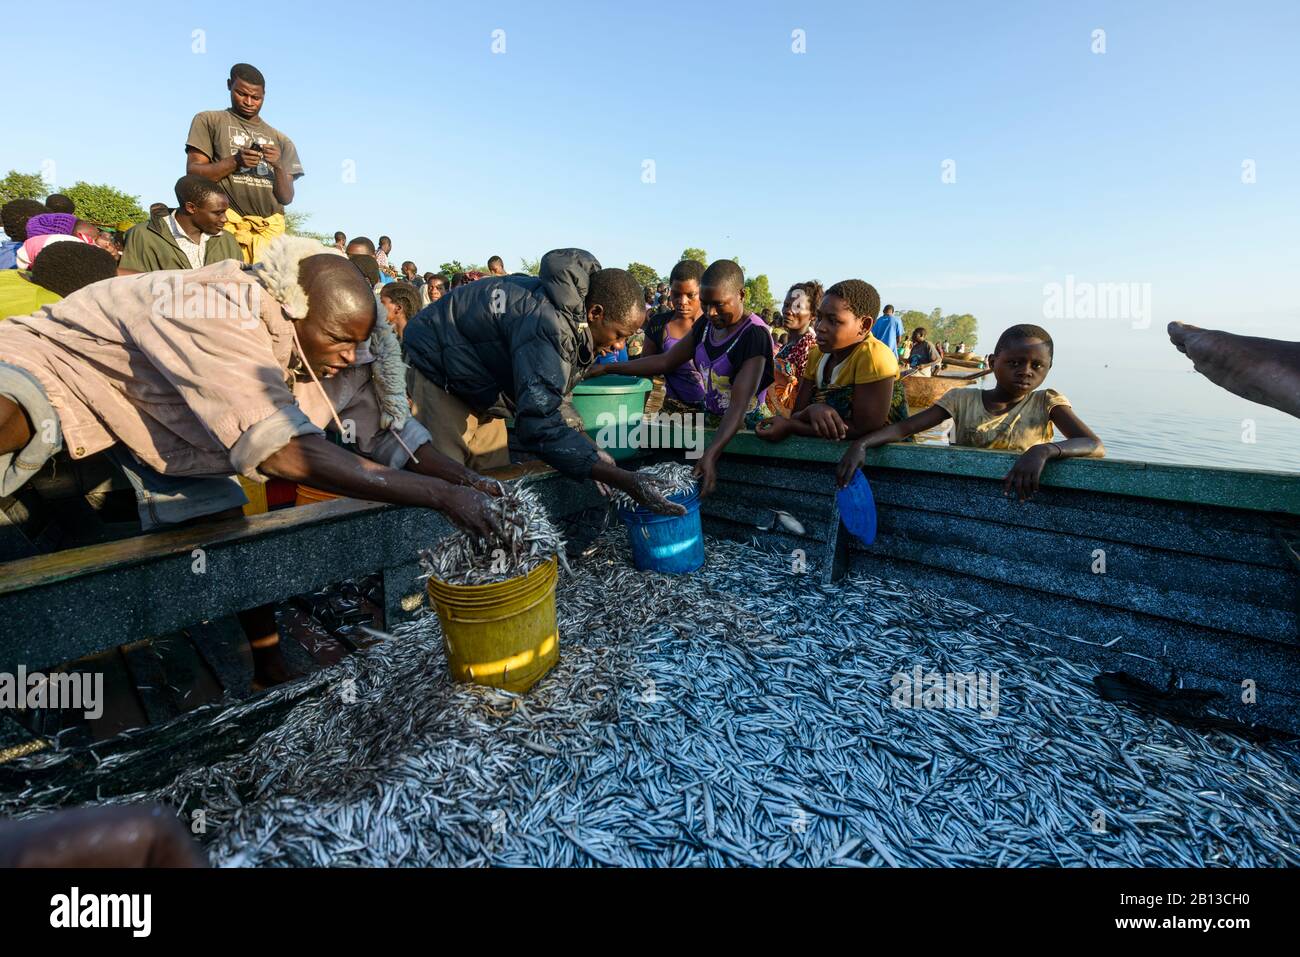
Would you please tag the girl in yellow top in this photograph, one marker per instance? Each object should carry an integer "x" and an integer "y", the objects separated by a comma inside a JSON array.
[
  {"x": 1011, "y": 415},
  {"x": 847, "y": 384}
]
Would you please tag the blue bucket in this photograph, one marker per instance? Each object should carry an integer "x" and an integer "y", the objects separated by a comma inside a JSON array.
[{"x": 673, "y": 544}]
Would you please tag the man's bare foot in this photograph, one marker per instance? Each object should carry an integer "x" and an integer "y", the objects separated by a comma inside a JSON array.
[{"x": 1266, "y": 371}]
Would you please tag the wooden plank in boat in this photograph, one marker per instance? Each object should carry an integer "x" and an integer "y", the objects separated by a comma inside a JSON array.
[
  {"x": 1204, "y": 530},
  {"x": 179, "y": 543},
  {"x": 298, "y": 660},
  {"x": 170, "y": 675},
  {"x": 72, "y": 603},
  {"x": 1206, "y": 610},
  {"x": 1012, "y": 529},
  {"x": 1230, "y": 488},
  {"x": 188, "y": 672},
  {"x": 244, "y": 566},
  {"x": 122, "y": 707}
]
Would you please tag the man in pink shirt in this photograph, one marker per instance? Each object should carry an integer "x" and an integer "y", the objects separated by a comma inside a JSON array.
[
  {"x": 190, "y": 377},
  {"x": 198, "y": 372}
]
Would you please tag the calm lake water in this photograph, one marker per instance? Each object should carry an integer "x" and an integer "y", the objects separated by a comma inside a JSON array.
[
  {"x": 1177, "y": 416},
  {"x": 1222, "y": 431},
  {"x": 1147, "y": 403}
]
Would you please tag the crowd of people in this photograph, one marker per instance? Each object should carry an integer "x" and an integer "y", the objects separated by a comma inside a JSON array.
[
  {"x": 213, "y": 347},
  {"x": 205, "y": 346}
]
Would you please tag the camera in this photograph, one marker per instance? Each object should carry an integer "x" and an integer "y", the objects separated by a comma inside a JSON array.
[{"x": 262, "y": 169}]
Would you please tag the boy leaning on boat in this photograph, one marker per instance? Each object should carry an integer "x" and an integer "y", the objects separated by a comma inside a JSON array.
[{"x": 1014, "y": 415}]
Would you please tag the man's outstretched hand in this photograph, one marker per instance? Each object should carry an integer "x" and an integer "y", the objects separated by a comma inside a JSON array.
[
  {"x": 474, "y": 512},
  {"x": 488, "y": 486},
  {"x": 651, "y": 492},
  {"x": 644, "y": 489},
  {"x": 850, "y": 462}
]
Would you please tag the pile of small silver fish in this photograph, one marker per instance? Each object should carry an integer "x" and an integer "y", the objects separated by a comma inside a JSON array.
[
  {"x": 676, "y": 479},
  {"x": 742, "y": 715},
  {"x": 531, "y": 539}
]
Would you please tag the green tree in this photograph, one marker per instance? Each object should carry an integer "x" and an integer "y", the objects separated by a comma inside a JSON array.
[
  {"x": 105, "y": 205},
  {"x": 938, "y": 327},
  {"x": 699, "y": 255},
  {"x": 758, "y": 295},
  {"x": 963, "y": 328},
  {"x": 531, "y": 266},
  {"x": 455, "y": 266},
  {"x": 643, "y": 274},
  {"x": 16, "y": 185},
  {"x": 294, "y": 223},
  {"x": 912, "y": 319}
]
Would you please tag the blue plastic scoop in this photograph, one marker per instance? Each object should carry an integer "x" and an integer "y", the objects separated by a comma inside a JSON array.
[{"x": 858, "y": 508}]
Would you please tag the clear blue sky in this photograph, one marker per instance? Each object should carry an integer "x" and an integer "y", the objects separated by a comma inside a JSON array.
[{"x": 1118, "y": 167}]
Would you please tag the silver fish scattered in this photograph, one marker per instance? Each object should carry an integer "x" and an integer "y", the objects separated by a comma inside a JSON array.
[
  {"x": 742, "y": 715},
  {"x": 531, "y": 539},
  {"x": 785, "y": 520},
  {"x": 677, "y": 479}
]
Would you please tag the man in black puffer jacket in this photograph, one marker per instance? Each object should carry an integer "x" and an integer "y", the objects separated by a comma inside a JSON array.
[{"x": 517, "y": 345}]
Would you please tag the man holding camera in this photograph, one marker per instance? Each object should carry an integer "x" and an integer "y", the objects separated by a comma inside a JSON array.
[{"x": 253, "y": 162}]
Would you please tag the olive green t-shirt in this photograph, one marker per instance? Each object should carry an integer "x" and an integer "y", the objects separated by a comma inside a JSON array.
[{"x": 219, "y": 134}]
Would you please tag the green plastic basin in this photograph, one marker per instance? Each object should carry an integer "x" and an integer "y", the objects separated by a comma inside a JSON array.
[{"x": 621, "y": 398}]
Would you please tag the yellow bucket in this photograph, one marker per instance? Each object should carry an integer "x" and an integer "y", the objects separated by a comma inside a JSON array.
[
  {"x": 505, "y": 634},
  {"x": 307, "y": 495},
  {"x": 256, "y": 492}
]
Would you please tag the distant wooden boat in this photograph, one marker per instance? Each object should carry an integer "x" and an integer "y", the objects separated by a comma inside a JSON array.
[
  {"x": 923, "y": 391},
  {"x": 965, "y": 361}
]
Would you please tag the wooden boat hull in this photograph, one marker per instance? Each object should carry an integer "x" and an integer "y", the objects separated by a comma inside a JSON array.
[
  {"x": 1182, "y": 577},
  {"x": 923, "y": 391}
]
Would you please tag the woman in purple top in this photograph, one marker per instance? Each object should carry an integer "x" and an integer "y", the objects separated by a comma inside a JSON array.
[
  {"x": 684, "y": 386},
  {"x": 732, "y": 348},
  {"x": 721, "y": 353}
]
